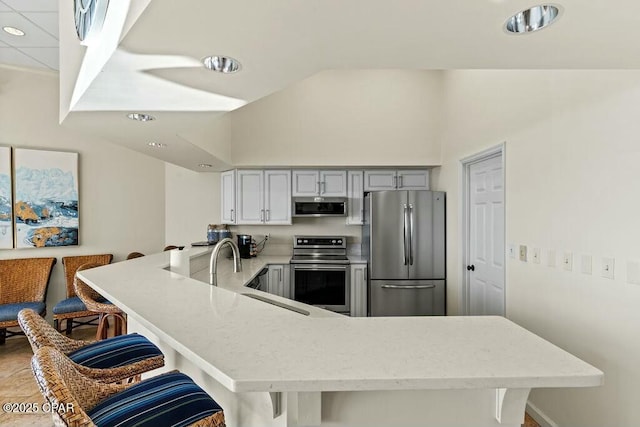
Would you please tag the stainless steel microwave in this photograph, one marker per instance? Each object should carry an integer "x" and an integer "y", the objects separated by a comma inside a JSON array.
[{"x": 319, "y": 206}]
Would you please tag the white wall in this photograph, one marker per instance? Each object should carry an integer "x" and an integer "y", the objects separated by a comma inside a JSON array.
[
  {"x": 193, "y": 202},
  {"x": 121, "y": 191},
  {"x": 571, "y": 185},
  {"x": 338, "y": 118}
]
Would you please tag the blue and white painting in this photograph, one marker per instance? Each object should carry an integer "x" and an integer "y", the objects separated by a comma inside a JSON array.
[
  {"x": 6, "y": 221},
  {"x": 46, "y": 198}
]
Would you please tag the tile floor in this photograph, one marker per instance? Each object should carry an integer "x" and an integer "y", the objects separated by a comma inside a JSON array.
[{"x": 18, "y": 386}]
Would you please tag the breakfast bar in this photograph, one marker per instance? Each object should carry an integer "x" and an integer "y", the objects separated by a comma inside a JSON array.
[{"x": 270, "y": 361}]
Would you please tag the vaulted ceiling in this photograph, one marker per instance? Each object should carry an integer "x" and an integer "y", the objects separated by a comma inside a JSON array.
[{"x": 149, "y": 58}]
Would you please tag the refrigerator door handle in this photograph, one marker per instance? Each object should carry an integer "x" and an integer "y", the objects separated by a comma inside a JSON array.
[
  {"x": 408, "y": 286},
  {"x": 406, "y": 234},
  {"x": 410, "y": 234}
]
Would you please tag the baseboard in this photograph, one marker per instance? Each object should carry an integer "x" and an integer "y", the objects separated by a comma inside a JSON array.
[{"x": 539, "y": 416}]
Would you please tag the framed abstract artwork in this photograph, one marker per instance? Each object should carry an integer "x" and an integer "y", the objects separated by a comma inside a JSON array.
[
  {"x": 46, "y": 198},
  {"x": 6, "y": 217}
]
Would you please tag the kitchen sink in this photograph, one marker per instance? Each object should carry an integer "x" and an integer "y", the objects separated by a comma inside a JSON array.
[{"x": 278, "y": 303}]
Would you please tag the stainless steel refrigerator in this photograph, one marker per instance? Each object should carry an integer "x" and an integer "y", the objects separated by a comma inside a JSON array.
[{"x": 403, "y": 239}]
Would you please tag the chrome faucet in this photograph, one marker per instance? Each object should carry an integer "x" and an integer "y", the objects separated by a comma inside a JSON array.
[{"x": 213, "y": 264}]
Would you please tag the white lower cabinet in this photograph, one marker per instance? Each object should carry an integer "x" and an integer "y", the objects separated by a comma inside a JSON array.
[
  {"x": 358, "y": 290},
  {"x": 278, "y": 280}
]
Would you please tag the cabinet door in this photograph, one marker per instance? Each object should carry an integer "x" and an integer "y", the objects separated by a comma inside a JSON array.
[
  {"x": 249, "y": 197},
  {"x": 306, "y": 183},
  {"x": 355, "y": 191},
  {"x": 228, "y": 197},
  {"x": 358, "y": 290},
  {"x": 380, "y": 179},
  {"x": 276, "y": 280},
  {"x": 277, "y": 197},
  {"x": 333, "y": 183},
  {"x": 413, "y": 179}
]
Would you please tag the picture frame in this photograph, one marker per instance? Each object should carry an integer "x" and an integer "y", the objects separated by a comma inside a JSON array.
[
  {"x": 45, "y": 209},
  {"x": 6, "y": 200}
]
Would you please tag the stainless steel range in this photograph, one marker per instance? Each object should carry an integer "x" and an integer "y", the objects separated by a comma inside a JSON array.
[{"x": 320, "y": 272}]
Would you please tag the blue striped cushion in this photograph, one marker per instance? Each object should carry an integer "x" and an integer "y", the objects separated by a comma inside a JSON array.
[
  {"x": 10, "y": 311},
  {"x": 166, "y": 400},
  {"x": 113, "y": 352}
]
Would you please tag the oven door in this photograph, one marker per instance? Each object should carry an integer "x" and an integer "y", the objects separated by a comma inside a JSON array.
[{"x": 323, "y": 285}]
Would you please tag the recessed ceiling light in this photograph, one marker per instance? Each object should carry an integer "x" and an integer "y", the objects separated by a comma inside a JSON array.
[
  {"x": 13, "y": 31},
  {"x": 141, "y": 117},
  {"x": 157, "y": 145},
  {"x": 221, "y": 64},
  {"x": 532, "y": 19},
  {"x": 205, "y": 165}
]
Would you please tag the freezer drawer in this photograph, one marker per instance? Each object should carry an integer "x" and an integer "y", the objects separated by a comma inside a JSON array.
[{"x": 407, "y": 298}]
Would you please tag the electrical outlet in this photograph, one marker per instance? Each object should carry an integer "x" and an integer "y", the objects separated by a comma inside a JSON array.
[
  {"x": 608, "y": 267},
  {"x": 523, "y": 253},
  {"x": 567, "y": 261},
  {"x": 551, "y": 258},
  {"x": 586, "y": 267},
  {"x": 512, "y": 250},
  {"x": 633, "y": 272},
  {"x": 536, "y": 255}
]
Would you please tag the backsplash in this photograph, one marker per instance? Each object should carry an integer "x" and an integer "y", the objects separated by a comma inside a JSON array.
[{"x": 281, "y": 236}]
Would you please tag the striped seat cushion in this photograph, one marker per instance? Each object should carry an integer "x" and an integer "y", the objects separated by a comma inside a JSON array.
[
  {"x": 117, "y": 351},
  {"x": 166, "y": 400}
]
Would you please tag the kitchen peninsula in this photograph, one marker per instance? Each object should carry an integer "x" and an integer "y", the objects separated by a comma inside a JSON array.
[{"x": 304, "y": 366}]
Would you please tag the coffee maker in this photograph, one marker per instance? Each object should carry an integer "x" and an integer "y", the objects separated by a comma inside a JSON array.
[{"x": 244, "y": 244}]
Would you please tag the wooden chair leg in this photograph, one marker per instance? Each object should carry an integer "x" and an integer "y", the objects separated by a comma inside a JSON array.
[
  {"x": 101, "y": 333},
  {"x": 56, "y": 324},
  {"x": 69, "y": 326},
  {"x": 3, "y": 335}
]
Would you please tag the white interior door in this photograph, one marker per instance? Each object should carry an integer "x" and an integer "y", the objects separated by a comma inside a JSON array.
[{"x": 486, "y": 238}]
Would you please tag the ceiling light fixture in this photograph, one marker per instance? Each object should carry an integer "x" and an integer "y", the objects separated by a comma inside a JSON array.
[
  {"x": 205, "y": 165},
  {"x": 533, "y": 19},
  {"x": 141, "y": 117},
  {"x": 157, "y": 145},
  {"x": 13, "y": 31},
  {"x": 221, "y": 64}
]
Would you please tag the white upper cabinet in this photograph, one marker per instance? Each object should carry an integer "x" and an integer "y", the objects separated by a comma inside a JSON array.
[
  {"x": 355, "y": 197},
  {"x": 415, "y": 179},
  {"x": 402, "y": 179},
  {"x": 326, "y": 183},
  {"x": 305, "y": 183},
  {"x": 228, "y": 197},
  {"x": 277, "y": 197},
  {"x": 263, "y": 197}
]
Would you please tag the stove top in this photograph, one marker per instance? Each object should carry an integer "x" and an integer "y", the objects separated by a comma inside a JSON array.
[{"x": 320, "y": 250}]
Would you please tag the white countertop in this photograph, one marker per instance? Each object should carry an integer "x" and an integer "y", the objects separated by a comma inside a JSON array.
[{"x": 248, "y": 345}]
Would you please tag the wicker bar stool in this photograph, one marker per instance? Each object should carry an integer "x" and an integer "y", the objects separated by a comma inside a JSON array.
[
  {"x": 72, "y": 308},
  {"x": 92, "y": 300},
  {"x": 133, "y": 255},
  {"x": 23, "y": 284},
  {"x": 164, "y": 400},
  {"x": 111, "y": 360}
]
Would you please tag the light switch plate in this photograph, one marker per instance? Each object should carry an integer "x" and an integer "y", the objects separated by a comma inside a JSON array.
[
  {"x": 512, "y": 250},
  {"x": 523, "y": 253},
  {"x": 567, "y": 261},
  {"x": 536, "y": 255},
  {"x": 633, "y": 272},
  {"x": 551, "y": 258},
  {"x": 608, "y": 267},
  {"x": 587, "y": 264}
]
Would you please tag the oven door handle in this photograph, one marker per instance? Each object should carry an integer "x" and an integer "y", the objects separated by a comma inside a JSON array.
[{"x": 319, "y": 267}]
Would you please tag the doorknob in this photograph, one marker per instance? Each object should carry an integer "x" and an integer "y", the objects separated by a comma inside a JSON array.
[{"x": 471, "y": 267}]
